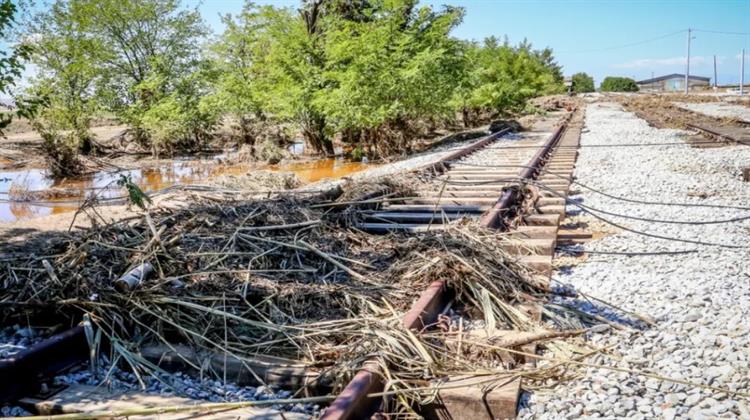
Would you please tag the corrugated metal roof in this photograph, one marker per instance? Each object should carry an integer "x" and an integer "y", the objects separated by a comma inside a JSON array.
[{"x": 673, "y": 76}]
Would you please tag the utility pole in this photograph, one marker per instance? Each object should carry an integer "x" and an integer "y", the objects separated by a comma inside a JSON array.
[
  {"x": 716, "y": 82},
  {"x": 687, "y": 65},
  {"x": 742, "y": 72}
]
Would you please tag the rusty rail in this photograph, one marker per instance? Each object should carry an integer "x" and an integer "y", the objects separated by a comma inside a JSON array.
[
  {"x": 441, "y": 164},
  {"x": 494, "y": 218},
  {"x": 717, "y": 134},
  {"x": 23, "y": 373},
  {"x": 354, "y": 401}
]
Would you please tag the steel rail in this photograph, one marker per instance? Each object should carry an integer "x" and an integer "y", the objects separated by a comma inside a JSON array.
[
  {"x": 23, "y": 373},
  {"x": 443, "y": 163},
  {"x": 715, "y": 133},
  {"x": 354, "y": 402}
]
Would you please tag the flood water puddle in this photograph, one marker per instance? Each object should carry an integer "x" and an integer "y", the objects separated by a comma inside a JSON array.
[{"x": 69, "y": 193}]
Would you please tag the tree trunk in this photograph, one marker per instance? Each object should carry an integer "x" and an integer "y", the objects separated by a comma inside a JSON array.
[
  {"x": 246, "y": 134},
  {"x": 313, "y": 130}
]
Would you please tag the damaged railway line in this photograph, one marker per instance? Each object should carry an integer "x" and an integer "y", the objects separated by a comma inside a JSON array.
[{"x": 367, "y": 270}]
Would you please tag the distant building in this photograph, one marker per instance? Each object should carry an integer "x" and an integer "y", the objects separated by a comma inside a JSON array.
[{"x": 672, "y": 83}]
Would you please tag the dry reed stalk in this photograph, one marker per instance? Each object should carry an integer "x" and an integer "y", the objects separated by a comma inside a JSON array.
[{"x": 278, "y": 277}]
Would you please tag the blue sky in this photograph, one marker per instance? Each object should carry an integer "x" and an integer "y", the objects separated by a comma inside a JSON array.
[{"x": 583, "y": 32}]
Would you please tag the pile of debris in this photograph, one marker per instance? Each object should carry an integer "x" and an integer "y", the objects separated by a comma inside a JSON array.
[{"x": 285, "y": 277}]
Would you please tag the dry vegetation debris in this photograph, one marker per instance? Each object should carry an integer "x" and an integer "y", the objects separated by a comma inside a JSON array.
[{"x": 286, "y": 277}]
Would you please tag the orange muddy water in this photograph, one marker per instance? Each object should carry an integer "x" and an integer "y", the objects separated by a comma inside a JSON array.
[{"x": 69, "y": 193}]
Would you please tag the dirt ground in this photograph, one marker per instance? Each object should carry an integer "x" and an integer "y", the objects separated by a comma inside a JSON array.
[{"x": 661, "y": 112}]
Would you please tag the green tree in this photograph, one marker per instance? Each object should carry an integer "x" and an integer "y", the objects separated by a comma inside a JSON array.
[
  {"x": 66, "y": 54},
  {"x": 618, "y": 84},
  {"x": 182, "y": 117},
  {"x": 582, "y": 83},
  {"x": 503, "y": 77},
  {"x": 12, "y": 59},
  {"x": 239, "y": 57},
  {"x": 386, "y": 72},
  {"x": 153, "y": 46},
  {"x": 293, "y": 70}
]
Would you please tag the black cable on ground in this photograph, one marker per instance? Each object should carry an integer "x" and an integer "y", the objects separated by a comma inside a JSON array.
[
  {"x": 584, "y": 146},
  {"x": 615, "y": 197},
  {"x": 652, "y": 235},
  {"x": 632, "y": 254},
  {"x": 625, "y": 228},
  {"x": 642, "y": 219},
  {"x": 624, "y": 216}
]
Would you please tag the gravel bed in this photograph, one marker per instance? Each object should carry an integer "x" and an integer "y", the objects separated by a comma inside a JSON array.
[
  {"x": 16, "y": 338},
  {"x": 495, "y": 155},
  {"x": 718, "y": 109},
  {"x": 183, "y": 385},
  {"x": 700, "y": 301}
]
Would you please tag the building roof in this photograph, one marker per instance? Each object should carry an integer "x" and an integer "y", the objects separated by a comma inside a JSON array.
[{"x": 673, "y": 76}]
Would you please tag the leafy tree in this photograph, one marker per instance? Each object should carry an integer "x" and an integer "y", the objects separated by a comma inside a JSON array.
[
  {"x": 143, "y": 36},
  {"x": 293, "y": 70},
  {"x": 65, "y": 54},
  {"x": 385, "y": 72},
  {"x": 618, "y": 84},
  {"x": 503, "y": 77},
  {"x": 182, "y": 117},
  {"x": 239, "y": 57},
  {"x": 12, "y": 59},
  {"x": 582, "y": 83},
  {"x": 123, "y": 56}
]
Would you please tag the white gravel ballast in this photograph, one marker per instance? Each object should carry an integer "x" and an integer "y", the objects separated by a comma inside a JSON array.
[{"x": 700, "y": 301}]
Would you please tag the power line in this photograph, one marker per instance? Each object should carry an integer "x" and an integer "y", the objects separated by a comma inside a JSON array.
[
  {"x": 645, "y": 41},
  {"x": 627, "y": 45},
  {"x": 722, "y": 32}
]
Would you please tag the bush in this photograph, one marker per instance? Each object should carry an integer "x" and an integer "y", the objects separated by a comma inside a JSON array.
[
  {"x": 582, "y": 83},
  {"x": 60, "y": 151},
  {"x": 618, "y": 84}
]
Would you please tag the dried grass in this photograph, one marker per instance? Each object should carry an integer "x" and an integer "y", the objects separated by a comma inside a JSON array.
[{"x": 283, "y": 277}]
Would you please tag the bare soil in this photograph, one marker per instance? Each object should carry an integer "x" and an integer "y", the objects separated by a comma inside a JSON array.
[{"x": 661, "y": 112}]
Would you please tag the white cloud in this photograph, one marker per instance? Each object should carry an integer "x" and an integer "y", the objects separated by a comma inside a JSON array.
[{"x": 650, "y": 63}]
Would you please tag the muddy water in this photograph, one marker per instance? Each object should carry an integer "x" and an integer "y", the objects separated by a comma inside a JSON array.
[{"x": 14, "y": 184}]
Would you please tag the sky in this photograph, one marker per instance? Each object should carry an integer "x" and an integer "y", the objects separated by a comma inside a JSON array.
[{"x": 597, "y": 36}]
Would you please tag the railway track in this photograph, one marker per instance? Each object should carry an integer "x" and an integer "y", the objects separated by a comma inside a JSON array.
[
  {"x": 489, "y": 180},
  {"x": 737, "y": 136},
  {"x": 489, "y": 194}
]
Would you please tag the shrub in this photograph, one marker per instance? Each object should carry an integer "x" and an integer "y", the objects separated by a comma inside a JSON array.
[
  {"x": 618, "y": 84},
  {"x": 358, "y": 154},
  {"x": 60, "y": 151},
  {"x": 582, "y": 83}
]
